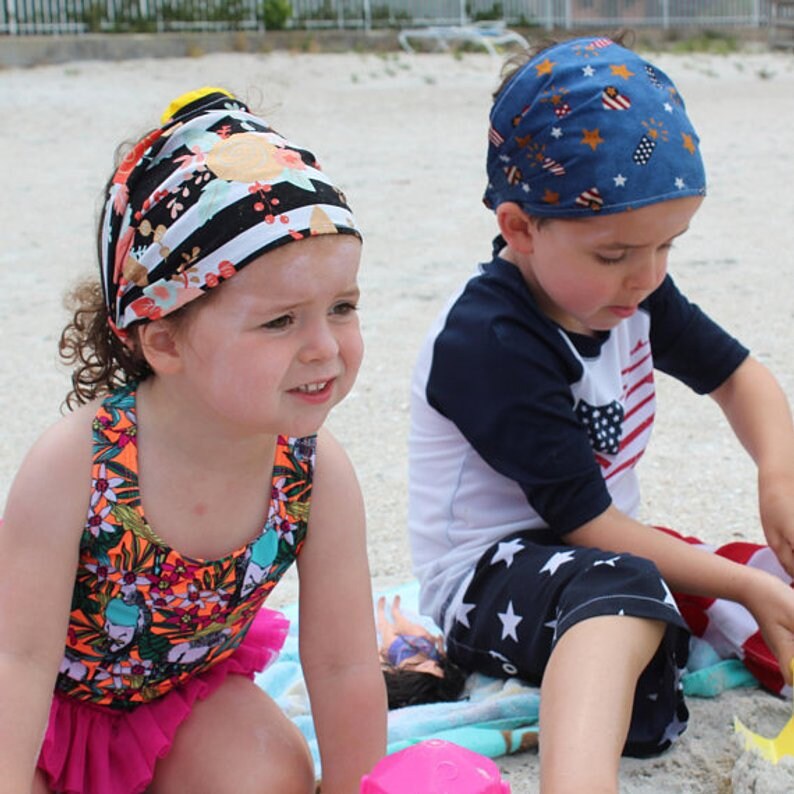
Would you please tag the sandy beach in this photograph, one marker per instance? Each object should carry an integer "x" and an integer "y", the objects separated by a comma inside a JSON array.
[{"x": 405, "y": 137}]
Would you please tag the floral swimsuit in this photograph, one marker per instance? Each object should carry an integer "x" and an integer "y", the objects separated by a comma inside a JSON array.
[{"x": 144, "y": 617}]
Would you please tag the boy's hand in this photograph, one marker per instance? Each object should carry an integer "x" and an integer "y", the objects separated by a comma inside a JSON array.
[
  {"x": 771, "y": 603},
  {"x": 776, "y": 503}
]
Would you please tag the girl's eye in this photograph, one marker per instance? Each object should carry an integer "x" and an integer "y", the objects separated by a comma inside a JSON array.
[
  {"x": 344, "y": 308},
  {"x": 280, "y": 322}
]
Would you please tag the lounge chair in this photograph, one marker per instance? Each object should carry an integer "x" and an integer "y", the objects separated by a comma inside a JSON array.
[{"x": 490, "y": 35}]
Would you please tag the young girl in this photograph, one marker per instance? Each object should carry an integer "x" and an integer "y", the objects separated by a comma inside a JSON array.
[{"x": 193, "y": 473}]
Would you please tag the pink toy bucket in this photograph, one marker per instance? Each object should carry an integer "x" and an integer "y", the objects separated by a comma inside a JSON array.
[{"x": 434, "y": 767}]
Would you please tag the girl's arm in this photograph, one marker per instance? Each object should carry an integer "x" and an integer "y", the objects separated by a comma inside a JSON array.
[
  {"x": 338, "y": 644},
  {"x": 759, "y": 414},
  {"x": 39, "y": 539},
  {"x": 687, "y": 569}
]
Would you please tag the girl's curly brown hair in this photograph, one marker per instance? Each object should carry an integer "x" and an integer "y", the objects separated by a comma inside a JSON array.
[{"x": 100, "y": 361}]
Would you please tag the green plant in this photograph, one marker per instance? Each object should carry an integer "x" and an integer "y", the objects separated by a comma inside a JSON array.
[
  {"x": 496, "y": 11},
  {"x": 710, "y": 41},
  {"x": 276, "y": 14}
]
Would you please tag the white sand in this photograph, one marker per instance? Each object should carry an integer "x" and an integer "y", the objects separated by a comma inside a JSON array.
[{"x": 405, "y": 137}]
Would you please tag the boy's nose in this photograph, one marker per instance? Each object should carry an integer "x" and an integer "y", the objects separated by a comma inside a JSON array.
[{"x": 649, "y": 274}]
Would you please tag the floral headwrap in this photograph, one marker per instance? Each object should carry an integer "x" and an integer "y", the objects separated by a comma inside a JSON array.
[
  {"x": 588, "y": 127},
  {"x": 199, "y": 198}
]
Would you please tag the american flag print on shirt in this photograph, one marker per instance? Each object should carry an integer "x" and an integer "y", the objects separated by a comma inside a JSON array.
[
  {"x": 639, "y": 404},
  {"x": 620, "y": 418}
]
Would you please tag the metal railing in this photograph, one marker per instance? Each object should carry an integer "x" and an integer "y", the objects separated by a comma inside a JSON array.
[{"x": 19, "y": 17}]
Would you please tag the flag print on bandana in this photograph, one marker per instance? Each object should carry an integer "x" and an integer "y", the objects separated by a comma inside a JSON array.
[
  {"x": 612, "y": 99},
  {"x": 568, "y": 94}
]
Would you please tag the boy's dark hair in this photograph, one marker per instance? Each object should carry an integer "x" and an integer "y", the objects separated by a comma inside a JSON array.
[
  {"x": 624, "y": 37},
  {"x": 407, "y": 687}
]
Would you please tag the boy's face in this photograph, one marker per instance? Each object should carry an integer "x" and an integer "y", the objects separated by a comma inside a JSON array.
[{"x": 588, "y": 275}]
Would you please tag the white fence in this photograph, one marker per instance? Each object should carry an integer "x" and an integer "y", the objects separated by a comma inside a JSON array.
[{"x": 19, "y": 17}]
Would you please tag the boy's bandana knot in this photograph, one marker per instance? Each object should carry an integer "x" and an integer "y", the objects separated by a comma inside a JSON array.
[
  {"x": 199, "y": 198},
  {"x": 589, "y": 127}
]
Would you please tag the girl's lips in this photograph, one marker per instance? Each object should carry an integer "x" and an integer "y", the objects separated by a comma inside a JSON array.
[{"x": 316, "y": 392}]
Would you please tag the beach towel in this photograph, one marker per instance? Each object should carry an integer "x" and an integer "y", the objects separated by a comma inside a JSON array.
[{"x": 494, "y": 717}]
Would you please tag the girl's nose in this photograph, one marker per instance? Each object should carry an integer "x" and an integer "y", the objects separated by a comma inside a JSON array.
[{"x": 320, "y": 343}]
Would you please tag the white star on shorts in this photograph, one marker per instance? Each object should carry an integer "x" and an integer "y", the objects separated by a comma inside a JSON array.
[
  {"x": 509, "y": 622},
  {"x": 506, "y": 551},
  {"x": 556, "y": 560}
]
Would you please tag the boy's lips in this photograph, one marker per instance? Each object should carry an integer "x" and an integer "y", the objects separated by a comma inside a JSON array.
[{"x": 623, "y": 311}]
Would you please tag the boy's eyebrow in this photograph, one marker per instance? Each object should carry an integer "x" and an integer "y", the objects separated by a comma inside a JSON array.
[{"x": 642, "y": 245}]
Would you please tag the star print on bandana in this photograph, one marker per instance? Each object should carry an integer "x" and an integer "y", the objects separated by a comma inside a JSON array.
[
  {"x": 563, "y": 127},
  {"x": 592, "y": 138},
  {"x": 604, "y": 425}
]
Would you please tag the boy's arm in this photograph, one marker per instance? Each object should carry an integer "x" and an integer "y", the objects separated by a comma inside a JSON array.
[
  {"x": 39, "y": 539},
  {"x": 759, "y": 414},
  {"x": 338, "y": 644},
  {"x": 688, "y": 569}
]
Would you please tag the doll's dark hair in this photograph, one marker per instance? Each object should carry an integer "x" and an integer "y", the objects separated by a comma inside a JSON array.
[{"x": 407, "y": 687}]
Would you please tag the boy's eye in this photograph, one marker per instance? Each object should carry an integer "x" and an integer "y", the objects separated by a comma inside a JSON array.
[
  {"x": 612, "y": 259},
  {"x": 280, "y": 322}
]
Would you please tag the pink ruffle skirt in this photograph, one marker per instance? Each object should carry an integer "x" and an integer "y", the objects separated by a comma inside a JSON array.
[{"x": 95, "y": 750}]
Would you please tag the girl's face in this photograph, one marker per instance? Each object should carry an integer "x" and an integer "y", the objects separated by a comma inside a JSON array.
[
  {"x": 278, "y": 345},
  {"x": 588, "y": 275}
]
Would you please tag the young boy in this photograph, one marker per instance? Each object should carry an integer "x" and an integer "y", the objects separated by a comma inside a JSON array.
[{"x": 533, "y": 401}]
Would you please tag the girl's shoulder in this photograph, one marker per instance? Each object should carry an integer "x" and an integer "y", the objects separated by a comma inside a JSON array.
[{"x": 52, "y": 485}]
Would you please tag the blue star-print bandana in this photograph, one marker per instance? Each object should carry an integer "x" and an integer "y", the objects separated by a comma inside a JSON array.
[{"x": 588, "y": 127}]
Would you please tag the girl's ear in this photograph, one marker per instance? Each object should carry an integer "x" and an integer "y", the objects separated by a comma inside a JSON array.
[
  {"x": 517, "y": 228},
  {"x": 158, "y": 346}
]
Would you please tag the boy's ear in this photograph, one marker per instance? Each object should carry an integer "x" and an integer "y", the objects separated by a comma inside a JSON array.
[
  {"x": 158, "y": 345},
  {"x": 516, "y": 227}
]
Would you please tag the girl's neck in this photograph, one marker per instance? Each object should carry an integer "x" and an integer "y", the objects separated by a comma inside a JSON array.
[
  {"x": 205, "y": 491},
  {"x": 169, "y": 421}
]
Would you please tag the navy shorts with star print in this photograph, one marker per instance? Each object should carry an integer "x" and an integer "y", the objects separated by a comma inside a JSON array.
[{"x": 527, "y": 590}]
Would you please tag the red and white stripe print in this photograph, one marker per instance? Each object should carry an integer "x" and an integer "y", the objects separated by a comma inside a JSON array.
[
  {"x": 612, "y": 99},
  {"x": 494, "y": 137},
  {"x": 552, "y": 165},
  {"x": 639, "y": 405}
]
